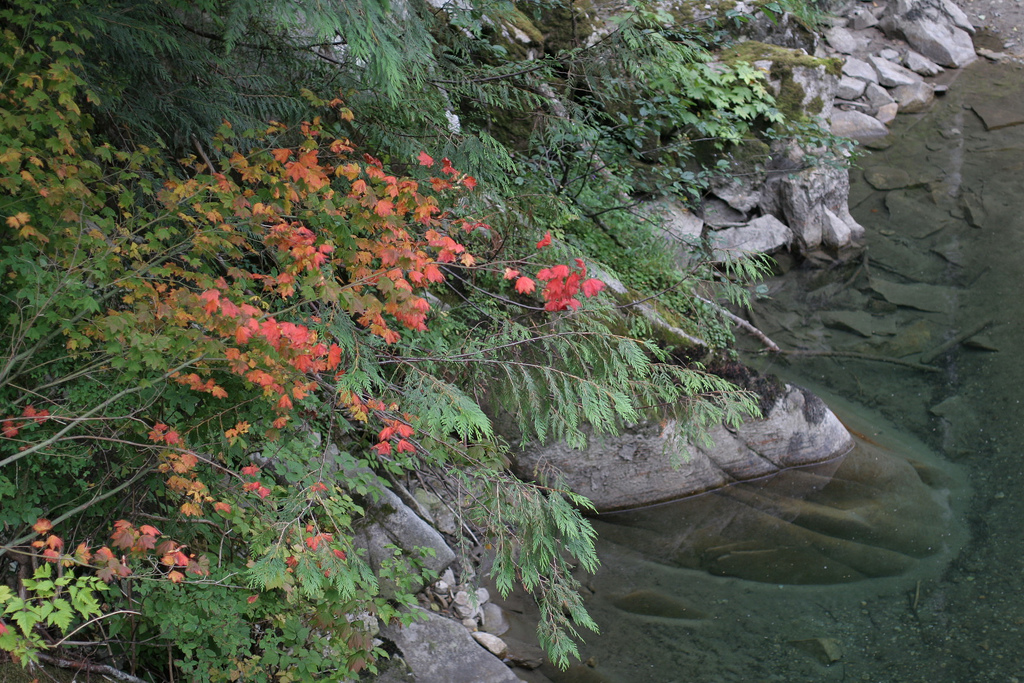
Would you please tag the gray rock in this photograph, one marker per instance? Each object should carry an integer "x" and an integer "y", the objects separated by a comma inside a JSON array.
[
  {"x": 494, "y": 619},
  {"x": 524, "y": 654},
  {"x": 953, "y": 405},
  {"x": 937, "y": 29},
  {"x": 933, "y": 298},
  {"x": 784, "y": 31},
  {"x": 679, "y": 224},
  {"x": 825, "y": 650},
  {"x": 718, "y": 214},
  {"x": 918, "y": 63},
  {"x": 843, "y": 41},
  {"x": 802, "y": 200},
  {"x": 837, "y": 233},
  {"x": 993, "y": 56},
  {"x": 740, "y": 195},
  {"x": 887, "y": 177},
  {"x": 858, "y": 68},
  {"x": 915, "y": 97},
  {"x": 1001, "y": 112},
  {"x": 877, "y": 96},
  {"x": 890, "y": 75},
  {"x": 817, "y": 85},
  {"x": 859, "y": 322},
  {"x": 798, "y": 429},
  {"x": 495, "y": 645},
  {"x": 889, "y": 53},
  {"x": 857, "y": 126},
  {"x": 886, "y": 114},
  {"x": 850, "y": 88},
  {"x": 439, "y": 650},
  {"x": 442, "y": 517},
  {"x": 863, "y": 19},
  {"x": 763, "y": 235},
  {"x": 395, "y": 524}
]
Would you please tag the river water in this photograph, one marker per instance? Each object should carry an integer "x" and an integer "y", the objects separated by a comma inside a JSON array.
[{"x": 904, "y": 562}]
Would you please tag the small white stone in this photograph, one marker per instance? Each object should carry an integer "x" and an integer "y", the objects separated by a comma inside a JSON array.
[{"x": 495, "y": 645}]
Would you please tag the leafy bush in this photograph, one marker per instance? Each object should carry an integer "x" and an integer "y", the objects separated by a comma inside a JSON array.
[{"x": 212, "y": 366}]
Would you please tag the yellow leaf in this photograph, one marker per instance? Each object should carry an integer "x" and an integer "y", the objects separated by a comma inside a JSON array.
[
  {"x": 191, "y": 510},
  {"x": 17, "y": 220}
]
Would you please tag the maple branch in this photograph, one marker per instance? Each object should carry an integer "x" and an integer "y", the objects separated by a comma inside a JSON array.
[
  {"x": 74, "y": 422},
  {"x": 4, "y": 549}
]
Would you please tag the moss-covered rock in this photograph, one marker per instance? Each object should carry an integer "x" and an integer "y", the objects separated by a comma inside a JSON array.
[{"x": 804, "y": 86}]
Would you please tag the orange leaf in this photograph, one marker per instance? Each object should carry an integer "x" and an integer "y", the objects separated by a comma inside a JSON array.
[
  {"x": 545, "y": 241},
  {"x": 281, "y": 155},
  {"x": 42, "y": 526},
  {"x": 424, "y": 159},
  {"x": 525, "y": 285},
  {"x": 175, "y": 576}
]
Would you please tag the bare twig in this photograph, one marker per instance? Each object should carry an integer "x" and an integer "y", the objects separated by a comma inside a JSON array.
[
  {"x": 199, "y": 148},
  {"x": 744, "y": 325},
  {"x": 929, "y": 356},
  {"x": 89, "y": 667}
]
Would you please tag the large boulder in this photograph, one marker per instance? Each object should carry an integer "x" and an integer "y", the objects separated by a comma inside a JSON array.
[
  {"x": 809, "y": 199},
  {"x": 439, "y": 650},
  {"x": 762, "y": 235},
  {"x": 938, "y": 29},
  {"x": 653, "y": 463},
  {"x": 394, "y": 524}
]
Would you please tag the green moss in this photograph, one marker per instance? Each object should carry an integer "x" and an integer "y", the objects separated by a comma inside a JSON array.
[
  {"x": 523, "y": 23},
  {"x": 14, "y": 673},
  {"x": 566, "y": 26},
  {"x": 791, "y": 95}
]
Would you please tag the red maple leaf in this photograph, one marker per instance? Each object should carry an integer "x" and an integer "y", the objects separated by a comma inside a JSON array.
[{"x": 592, "y": 287}]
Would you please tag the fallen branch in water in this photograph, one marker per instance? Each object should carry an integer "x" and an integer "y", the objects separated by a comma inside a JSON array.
[
  {"x": 744, "y": 325},
  {"x": 865, "y": 356},
  {"x": 929, "y": 356}
]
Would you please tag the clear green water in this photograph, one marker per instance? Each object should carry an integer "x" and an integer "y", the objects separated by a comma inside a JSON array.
[{"x": 917, "y": 574}]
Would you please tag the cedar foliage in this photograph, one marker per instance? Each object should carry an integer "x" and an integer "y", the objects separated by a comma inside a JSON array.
[{"x": 237, "y": 306}]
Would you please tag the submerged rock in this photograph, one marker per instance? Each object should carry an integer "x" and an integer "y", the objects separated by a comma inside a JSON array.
[{"x": 869, "y": 514}]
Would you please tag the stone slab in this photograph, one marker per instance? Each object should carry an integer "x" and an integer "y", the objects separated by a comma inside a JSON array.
[{"x": 920, "y": 296}]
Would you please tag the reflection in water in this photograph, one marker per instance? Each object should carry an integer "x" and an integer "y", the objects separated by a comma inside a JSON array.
[{"x": 867, "y": 514}]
